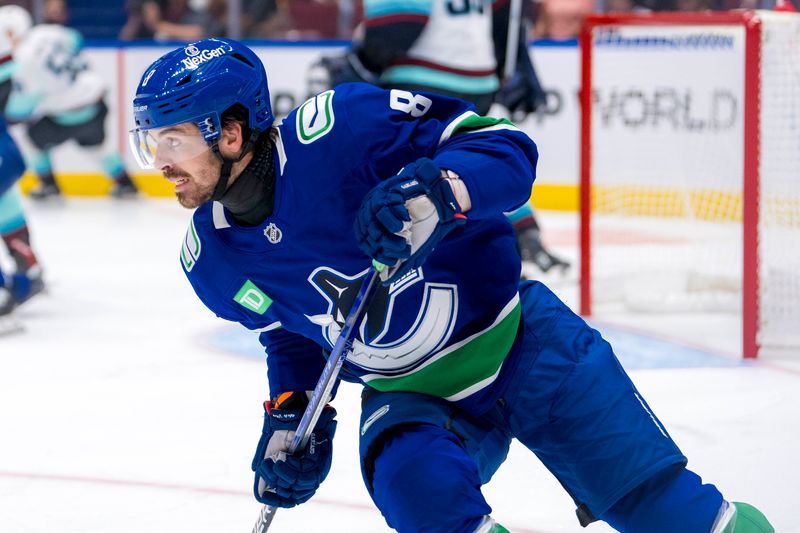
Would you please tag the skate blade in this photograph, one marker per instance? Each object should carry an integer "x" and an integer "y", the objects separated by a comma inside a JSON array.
[{"x": 10, "y": 326}]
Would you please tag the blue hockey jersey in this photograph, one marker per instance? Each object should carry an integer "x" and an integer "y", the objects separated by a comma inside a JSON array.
[{"x": 446, "y": 328}]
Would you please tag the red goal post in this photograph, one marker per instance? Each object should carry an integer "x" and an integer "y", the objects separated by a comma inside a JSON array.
[{"x": 681, "y": 110}]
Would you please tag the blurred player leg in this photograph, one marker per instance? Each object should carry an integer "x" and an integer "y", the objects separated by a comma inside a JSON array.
[
  {"x": 11, "y": 168},
  {"x": 45, "y": 134},
  {"x": 529, "y": 241},
  {"x": 91, "y": 136},
  {"x": 111, "y": 163},
  {"x": 8, "y": 323},
  {"x": 87, "y": 127},
  {"x": 27, "y": 281}
]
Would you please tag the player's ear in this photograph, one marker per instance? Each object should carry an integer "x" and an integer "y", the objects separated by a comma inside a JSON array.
[{"x": 231, "y": 141}]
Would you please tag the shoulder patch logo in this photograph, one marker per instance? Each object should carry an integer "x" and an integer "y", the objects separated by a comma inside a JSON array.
[
  {"x": 315, "y": 117},
  {"x": 253, "y": 298},
  {"x": 190, "y": 250}
]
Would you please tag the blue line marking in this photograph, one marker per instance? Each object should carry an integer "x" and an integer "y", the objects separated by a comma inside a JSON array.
[{"x": 637, "y": 351}]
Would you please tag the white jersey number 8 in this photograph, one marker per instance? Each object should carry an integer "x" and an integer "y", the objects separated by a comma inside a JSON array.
[{"x": 415, "y": 105}]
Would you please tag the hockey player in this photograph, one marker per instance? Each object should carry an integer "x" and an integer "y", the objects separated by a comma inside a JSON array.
[
  {"x": 456, "y": 355},
  {"x": 26, "y": 280},
  {"x": 457, "y": 48},
  {"x": 11, "y": 168},
  {"x": 60, "y": 99}
]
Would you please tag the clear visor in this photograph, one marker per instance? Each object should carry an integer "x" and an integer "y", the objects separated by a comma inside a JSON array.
[{"x": 162, "y": 147}]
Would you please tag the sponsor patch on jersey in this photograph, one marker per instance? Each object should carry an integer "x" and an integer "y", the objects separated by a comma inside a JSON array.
[
  {"x": 253, "y": 298},
  {"x": 315, "y": 117},
  {"x": 190, "y": 250}
]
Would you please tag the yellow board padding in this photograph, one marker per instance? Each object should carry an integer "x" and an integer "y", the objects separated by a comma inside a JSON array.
[
  {"x": 701, "y": 204},
  {"x": 780, "y": 208},
  {"x": 544, "y": 196},
  {"x": 555, "y": 197},
  {"x": 99, "y": 185}
]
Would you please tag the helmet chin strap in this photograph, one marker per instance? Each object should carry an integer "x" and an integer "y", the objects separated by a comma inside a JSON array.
[
  {"x": 224, "y": 175},
  {"x": 227, "y": 165}
]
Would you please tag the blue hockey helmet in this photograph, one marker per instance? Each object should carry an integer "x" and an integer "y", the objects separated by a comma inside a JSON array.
[{"x": 198, "y": 83}]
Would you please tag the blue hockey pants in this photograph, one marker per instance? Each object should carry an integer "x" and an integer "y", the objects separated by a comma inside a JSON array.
[{"x": 571, "y": 403}]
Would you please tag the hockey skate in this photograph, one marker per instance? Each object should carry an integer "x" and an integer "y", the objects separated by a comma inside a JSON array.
[
  {"x": 531, "y": 249},
  {"x": 738, "y": 517},
  {"x": 124, "y": 188},
  {"x": 45, "y": 189},
  {"x": 26, "y": 285},
  {"x": 490, "y": 526},
  {"x": 8, "y": 323}
]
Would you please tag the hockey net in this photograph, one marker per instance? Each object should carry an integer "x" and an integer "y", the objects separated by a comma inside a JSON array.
[{"x": 690, "y": 168}]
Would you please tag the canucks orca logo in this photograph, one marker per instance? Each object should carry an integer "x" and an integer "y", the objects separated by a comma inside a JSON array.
[{"x": 378, "y": 348}]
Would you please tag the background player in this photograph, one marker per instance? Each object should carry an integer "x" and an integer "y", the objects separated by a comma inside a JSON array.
[
  {"x": 456, "y": 48},
  {"x": 60, "y": 98},
  {"x": 456, "y": 354},
  {"x": 26, "y": 281}
]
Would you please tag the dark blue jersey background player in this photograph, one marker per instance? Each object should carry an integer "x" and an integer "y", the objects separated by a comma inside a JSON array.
[{"x": 457, "y": 357}]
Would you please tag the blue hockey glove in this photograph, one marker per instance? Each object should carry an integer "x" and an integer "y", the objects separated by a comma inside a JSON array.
[
  {"x": 329, "y": 71},
  {"x": 284, "y": 480},
  {"x": 402, "y": 219},
  {"x": 522, "y": 94}
]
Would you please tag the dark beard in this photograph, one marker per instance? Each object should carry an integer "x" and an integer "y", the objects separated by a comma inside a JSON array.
[
  {"x": 170, "y": 174},
  {"x": 192, "y": 199},
  {"x": 195, "y": 200}
]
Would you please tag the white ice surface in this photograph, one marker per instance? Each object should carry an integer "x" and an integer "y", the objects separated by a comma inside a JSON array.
[{"x": 119, "y": 412}]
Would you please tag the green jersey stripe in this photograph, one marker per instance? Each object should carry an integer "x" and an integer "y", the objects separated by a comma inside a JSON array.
[
  {"x": 478, "y": 123},
  {"x": 471, "y": 122},
  {"x": 463, "y": 368}
]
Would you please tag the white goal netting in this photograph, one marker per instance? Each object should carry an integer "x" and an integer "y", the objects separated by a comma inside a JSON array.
[
  {"x": 667, "y": 169},
  {"x": 779, "y": 163}
]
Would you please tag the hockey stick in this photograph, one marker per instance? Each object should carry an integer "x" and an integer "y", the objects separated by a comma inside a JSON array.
[
  {"x": 512, "y": 38},
  {"x": 327, "y": 379}
]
